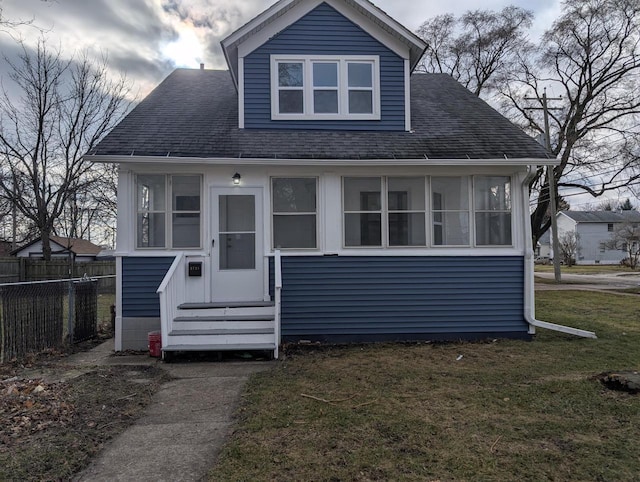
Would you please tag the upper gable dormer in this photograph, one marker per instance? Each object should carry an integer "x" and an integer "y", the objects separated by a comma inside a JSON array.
[{"x": 332, "y": 64}]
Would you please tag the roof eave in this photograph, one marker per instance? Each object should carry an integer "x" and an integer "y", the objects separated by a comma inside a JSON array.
[{"x": 240, "y": 161}]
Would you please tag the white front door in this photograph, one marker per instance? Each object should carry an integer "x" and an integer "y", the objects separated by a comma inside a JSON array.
[{"x": 237, "y": 260}]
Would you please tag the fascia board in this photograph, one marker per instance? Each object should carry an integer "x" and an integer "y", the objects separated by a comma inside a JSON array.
[{"x": 317, "y": 162}]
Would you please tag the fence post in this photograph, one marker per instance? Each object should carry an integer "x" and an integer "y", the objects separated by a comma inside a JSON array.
[{"x": 72, "y": 310}]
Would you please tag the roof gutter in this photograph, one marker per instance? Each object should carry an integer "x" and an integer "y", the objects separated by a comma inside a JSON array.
[
  {"x": 274, "y": 161},
  {"x": 529, "y": 283}
]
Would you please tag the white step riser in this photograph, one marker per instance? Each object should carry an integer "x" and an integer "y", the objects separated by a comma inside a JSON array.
[
  {"x": 220, "y": 325},
  {"x": 219, "y": 339},
  {"x": 257, "y": 311}
]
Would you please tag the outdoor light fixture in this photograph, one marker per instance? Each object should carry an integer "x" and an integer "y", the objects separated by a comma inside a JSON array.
[{"x": 236, "y": 178}]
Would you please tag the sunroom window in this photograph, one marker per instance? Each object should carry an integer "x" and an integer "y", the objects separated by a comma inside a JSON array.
[
  {"x": 493, "y": 210},
  {"x": 294, "y": 213},
  {"x": 406, "y": 211},
  {"x": 363, "y": 211},
  {"x": 322, "y": 87},
  {"x": 450, "y": 211},
  {"x": 168, "y": 211}
]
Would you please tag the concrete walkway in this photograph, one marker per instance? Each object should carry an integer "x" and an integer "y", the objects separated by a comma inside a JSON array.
[{"x": 180, "y": 434}]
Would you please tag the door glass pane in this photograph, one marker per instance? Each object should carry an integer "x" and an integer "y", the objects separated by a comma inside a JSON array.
[
  {"x": 237, "y": 213},
  {"x": 237, "y": 251},
  {"x": 236, "y": 229}
]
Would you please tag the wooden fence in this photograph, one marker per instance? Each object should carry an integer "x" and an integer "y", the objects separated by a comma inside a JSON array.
[{"x": 13, "y": 270}]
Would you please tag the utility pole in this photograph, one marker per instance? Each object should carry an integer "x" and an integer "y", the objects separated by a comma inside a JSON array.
[{"x": 552, "y": 182}]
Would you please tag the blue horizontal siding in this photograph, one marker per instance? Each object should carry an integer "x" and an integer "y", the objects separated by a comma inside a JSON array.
[
  {"x": 402, "y": 298},
  {"x": 141, "y": 277},
  {"x": 323, "y": 31}
]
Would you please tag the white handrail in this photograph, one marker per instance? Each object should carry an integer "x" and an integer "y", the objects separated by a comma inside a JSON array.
[
  {"x": 169, "y": 275},
  {"x": 277, "y": 261},
  {"x": 172, "y": 294}
]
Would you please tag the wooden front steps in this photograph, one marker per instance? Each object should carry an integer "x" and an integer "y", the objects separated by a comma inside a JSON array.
[{"x": 226, "y": 326}]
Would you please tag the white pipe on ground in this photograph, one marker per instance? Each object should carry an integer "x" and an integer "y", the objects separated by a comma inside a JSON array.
[{"x": 529, "y": 283}]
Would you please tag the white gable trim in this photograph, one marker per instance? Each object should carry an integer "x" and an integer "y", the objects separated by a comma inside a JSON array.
[
  {"x": 298, "y": 11},
  {"x": 241, "y": 93}
]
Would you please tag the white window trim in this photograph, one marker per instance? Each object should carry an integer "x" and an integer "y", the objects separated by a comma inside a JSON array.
[
  {"x": 316, "y": 213},
  {"x": 343, "y": 89},
  {"x": 168, "y": 214}
]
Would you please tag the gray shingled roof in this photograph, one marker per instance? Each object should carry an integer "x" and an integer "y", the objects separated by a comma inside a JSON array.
[
  {"x": 194, "y": 113},
  {"x": 604, "y": 216}
]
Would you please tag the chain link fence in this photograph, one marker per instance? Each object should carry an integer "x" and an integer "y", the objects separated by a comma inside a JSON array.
[{"x": 43, "y": 315}]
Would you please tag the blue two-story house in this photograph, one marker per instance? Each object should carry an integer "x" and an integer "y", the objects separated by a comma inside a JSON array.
[{"x": 320, "y": 190}]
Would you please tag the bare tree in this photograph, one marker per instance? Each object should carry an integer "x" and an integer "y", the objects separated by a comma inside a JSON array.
[
  {"x": 65, "y": 107},
  {"x": 478, "y": 49},
  {"x": 591, "y": 56},
  {"x": 569, "y": 247},
  {"x": 626, "y": 237}
]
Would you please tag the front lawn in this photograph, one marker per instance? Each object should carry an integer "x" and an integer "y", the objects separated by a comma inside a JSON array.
[{"x": 501, "y": 410}]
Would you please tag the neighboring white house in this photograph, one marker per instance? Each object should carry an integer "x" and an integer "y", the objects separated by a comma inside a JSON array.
[
  {"x": 81, "y": 249},
  {"x": 543, "y": 248},
  {"x": 595, "y": 229}
]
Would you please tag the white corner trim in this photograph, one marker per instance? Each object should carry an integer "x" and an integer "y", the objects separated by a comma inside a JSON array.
[
  {"x": 118, "y": 327},
  {"x": 407, "y": 95},
  {"x": 241, "y": 92}
]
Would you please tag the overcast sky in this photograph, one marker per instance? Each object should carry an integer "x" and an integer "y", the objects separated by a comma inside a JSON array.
[{"x": 146, "y": 39}]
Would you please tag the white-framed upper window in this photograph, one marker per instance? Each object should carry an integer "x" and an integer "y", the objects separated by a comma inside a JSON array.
[
  {"x": 325, "y": 87},
  {"x": 168, "y": 211}
]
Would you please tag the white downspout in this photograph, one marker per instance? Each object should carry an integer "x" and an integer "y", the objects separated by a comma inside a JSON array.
[{"x": 529, "y": 283}]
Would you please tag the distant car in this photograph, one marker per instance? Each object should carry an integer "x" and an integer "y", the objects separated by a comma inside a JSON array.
[{"x": 542, "y": 260}]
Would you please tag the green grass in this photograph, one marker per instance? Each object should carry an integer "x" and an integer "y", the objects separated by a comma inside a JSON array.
[{"x": 507, "y": 410}]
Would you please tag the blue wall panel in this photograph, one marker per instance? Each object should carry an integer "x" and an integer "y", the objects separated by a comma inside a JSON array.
[
  {"x": 141, "y": 277},
  {"x": 402, "y": 298},
  {"x": 323, "y": 31}
]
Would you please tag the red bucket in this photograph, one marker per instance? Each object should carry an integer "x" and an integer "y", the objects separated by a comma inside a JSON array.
[{"x": 155, "y": 344}]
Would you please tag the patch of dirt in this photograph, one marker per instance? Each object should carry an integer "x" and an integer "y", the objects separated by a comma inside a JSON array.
[
  {"x": 625, "y": 381},
  {"x": 51, "y": 430}
]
